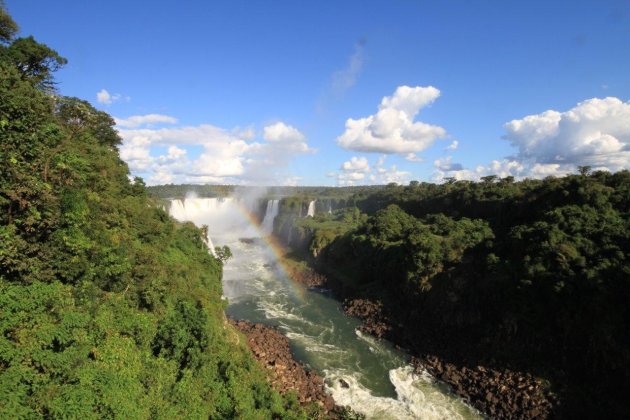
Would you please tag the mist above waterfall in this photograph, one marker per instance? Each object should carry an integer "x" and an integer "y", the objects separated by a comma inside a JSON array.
[
  {"x": 380, "y": 382},
  {"x": 228, "y": 218}
]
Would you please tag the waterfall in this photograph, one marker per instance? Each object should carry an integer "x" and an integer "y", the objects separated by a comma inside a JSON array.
[
  {"x": 223, "y": 217},
  {"x": 311, "y": 209},
  {"x": 329, "y": 207},
  {"x": 208, "y": 241},
  {"x": 270, "y": 215},
  {"x": 360, "y": 371}
]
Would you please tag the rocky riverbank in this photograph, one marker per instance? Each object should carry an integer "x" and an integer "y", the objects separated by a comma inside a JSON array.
[
  {"x": 375, "y": 322},
  {"x": 501, "y": 394},
  {"x": 498, "y": 393},
  {"x": 272, "y": 350},
  {"x": 306, "y": 276}
]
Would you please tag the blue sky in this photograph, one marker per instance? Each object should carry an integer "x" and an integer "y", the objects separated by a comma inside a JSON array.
[{"x": 348, "y": 92}]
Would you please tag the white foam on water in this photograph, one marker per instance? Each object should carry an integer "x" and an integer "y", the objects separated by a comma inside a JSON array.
[
  {"x": 417, "y": 397},
  {"x": 314, "y": 344},
  {"x": 375, "y": 345},
  {"x": 278, "y": 310},
  {"x": 252, "y": 274}
]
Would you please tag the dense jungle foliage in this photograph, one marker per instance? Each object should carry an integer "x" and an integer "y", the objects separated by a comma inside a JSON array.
[
  {"x": 532, "y": 275},
  {"x": 108, "y": 308}
]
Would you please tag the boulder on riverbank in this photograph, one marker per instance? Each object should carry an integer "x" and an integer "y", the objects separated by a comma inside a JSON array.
[
  {"x": 499, "y": 393},
  {"x": 271, "y": 348},
  {"x": 502, "y": 394},
  {"x": 375, "y": 322}
]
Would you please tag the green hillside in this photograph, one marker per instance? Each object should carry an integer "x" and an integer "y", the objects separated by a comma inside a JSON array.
[{"x": 109, "y": 308}]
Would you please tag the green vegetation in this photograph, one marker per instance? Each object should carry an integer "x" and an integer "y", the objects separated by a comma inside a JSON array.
[
  {"x": 109, "y": 309},
  {"x": 532, "y": 275}
]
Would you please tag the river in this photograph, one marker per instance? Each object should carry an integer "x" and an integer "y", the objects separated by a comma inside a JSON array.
[{"x": 367, "y": 374}]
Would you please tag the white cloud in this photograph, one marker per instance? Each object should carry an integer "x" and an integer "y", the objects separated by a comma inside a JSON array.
[
  {"x": 356, "y": 164},
  {"x": 174, "y": 153},
  {"x": 103, "y": 97},
  {"x": 594, "y": 133},
  {"x": 135, "y": 151},
  {"x": 244, "y": 133},
  {"x": 352, "y": 171},
  {"x": 280, "y": 132},
  {"x": 140, "y": 120},
  {"x": 412, "y": 157},
  {"x": 392, "y": 129},
  {"x": 446, "y": 164},
  {"x": 227, "y": 156},
  {"x": 106, "y": 98},
  {"x": 388, "y": 175},
  {"x": 453, "y": 146},
  {"x": 358, "y": 171}
]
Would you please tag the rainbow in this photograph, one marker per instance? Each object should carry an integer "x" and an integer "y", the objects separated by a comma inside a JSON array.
[
  {"x": 276, "y": 247},
  {"x": 180, "y": 210}
]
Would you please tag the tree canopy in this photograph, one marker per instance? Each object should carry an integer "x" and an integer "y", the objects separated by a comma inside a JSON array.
[
  {"x": 109, "y": 308},
  {"x": 532, "y": 275}
]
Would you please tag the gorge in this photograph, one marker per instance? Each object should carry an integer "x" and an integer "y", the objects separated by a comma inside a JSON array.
[
  {"x": 490, "y": 285},
  {"x": 367, "y": 374}
]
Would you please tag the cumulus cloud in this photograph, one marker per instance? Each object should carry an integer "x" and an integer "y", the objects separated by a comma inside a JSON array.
[
  {"x": 453, "y": 145},
  {"x": 392, "y": 130},
  {"x": 103, "y": 97},
  {"x": 356, "y": 164},
  {"x": 358, "y": 170},
  {"x": 135, "y": 151},
  {"x": 595, "y": 133},
  {"x": 282, "y": 133},
  {"x": 446, "y": 164},
  {"x": 412, "y": 157},
  {"x": 500, "y": 168},
  {"x": 175, "y": 153},
  {"x": 354, "y": 170},
  {"x": 226, "y": 156},
  {"x": 139, "y": 120},
  {"x": 106, "y": 98}
]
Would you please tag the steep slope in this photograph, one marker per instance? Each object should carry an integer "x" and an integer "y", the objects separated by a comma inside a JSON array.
[{"x": 109, "y": 308}]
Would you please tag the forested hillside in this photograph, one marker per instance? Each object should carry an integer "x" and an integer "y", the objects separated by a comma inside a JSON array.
[
  {"x": 530, "y": 275},
  {"x": 109, "y": 309}
]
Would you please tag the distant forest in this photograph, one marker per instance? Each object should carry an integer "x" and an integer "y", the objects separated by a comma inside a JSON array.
[
  {"x": 171, "y": 191},
  {"x": 531, "y": 275}
]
